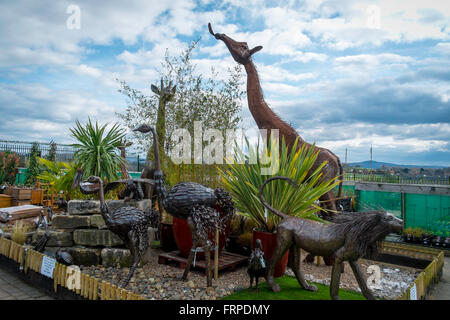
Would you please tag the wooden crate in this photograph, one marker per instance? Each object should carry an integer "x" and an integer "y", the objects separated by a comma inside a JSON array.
[
  {"x": 21, "y": 194},
  {"x": 20, "y": 202},
  {"x": 5, "y": 201},
  {"x": 8, "y": 190},
  {"x": 37, "y": 196}
]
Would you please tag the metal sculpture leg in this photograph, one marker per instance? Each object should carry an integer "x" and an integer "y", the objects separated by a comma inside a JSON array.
[
  {"x": 335, "y": 278},
  {"x": 361, "y": 281},
  {"x": 194, "y": 246},
  {"x": 133, "y": 245},
  {"x": 294, "y": 264},
  {"x": 280, "y": 249}
]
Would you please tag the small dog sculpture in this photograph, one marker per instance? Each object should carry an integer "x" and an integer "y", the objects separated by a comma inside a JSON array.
[{"x": 256, "y": 264}]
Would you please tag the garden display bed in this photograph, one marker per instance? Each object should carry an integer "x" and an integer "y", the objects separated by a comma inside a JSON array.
[{"x": 227, "y": 260}]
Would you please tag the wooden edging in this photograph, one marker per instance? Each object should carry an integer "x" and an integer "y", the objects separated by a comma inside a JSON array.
[
  {"x": 67, "y": 277},
  {"x": 427, "y": 277}
]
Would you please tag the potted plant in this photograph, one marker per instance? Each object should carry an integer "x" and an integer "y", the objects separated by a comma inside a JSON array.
[
  {"x": 417, "y": 235},
  {"x": 243, "y": 178},
  {"x": 408, "y": 234},
  {"x": 426, "y": 238},
  {"x": 446, "y": 243}
]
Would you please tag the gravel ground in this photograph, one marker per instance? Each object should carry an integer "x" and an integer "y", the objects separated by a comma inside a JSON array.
[{"x": 162, "y": 282}]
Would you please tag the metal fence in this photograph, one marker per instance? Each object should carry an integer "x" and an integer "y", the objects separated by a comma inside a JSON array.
[
  {"x": 64, "y": 152},
  {"x": 387, "y": 178}
]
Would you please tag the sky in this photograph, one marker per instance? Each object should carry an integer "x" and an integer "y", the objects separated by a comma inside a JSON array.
[{"x": 345, "y": 74}]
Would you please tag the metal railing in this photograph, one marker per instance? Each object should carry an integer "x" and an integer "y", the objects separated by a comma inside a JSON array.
[
  {"x": 64, "y": 152},
  {"x": 440, "y": 180}
]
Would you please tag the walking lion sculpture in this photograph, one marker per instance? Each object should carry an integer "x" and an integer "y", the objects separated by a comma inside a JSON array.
[{"x": 349, "y": 237}]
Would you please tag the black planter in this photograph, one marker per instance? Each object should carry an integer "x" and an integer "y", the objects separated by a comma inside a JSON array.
[
  {"x": 437, "y": 241},
  {"x": 446, "y": 243},
  {"x": 426, "y": 241}
]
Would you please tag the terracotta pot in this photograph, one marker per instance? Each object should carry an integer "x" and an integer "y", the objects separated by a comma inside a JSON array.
[
  {"x": 269, "y": 242},
  {"x": 167, "y": 239},
  {"x": 183, "y": 238}
]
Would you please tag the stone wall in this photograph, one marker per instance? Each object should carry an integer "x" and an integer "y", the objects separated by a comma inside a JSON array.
[{"x": 83, "y": 233}]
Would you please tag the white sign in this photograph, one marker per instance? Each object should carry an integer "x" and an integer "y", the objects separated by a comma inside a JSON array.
[
  {"x": 413, "y": 292},
  {"x": 47, "y": 267}
]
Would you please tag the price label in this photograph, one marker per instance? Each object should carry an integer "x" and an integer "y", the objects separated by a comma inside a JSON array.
[{"x": 47, "y": 267}]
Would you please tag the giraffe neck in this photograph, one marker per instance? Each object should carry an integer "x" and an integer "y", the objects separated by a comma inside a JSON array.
[{"x": 264, "y": 116}]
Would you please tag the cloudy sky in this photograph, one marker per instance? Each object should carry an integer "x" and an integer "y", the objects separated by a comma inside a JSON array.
[{"x": 344, "y": 73}]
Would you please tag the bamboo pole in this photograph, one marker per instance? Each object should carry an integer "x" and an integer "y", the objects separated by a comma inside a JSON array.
[
  {"x": 56, "y": 277},
  {"x": 95, "y": 296},
  {"x": 216, "y": 256}
]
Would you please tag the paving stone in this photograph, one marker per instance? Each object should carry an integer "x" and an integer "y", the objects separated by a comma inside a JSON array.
[
  {"x": 83, "y": 207},
  {"x": 114, "y": 257},
  {"x": 116, "y": 204},
  {"x": 69, "y": 222},
  {"x": 95, "y": 238},
  {"x": 85, "y": 256},
  {"x": 96, "y": 221},
  {"x": 57, "y": 238},
  {"x": 89, "y": 207}
]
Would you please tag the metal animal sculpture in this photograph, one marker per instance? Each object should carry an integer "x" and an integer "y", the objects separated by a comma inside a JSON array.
[
  {"x": 129, "y": 223},
  {"x": 196, "y": 203},
  {"x": 123, "y": 154},
  {"x": 351, "y": 236},
  {"x": 256, "y": 264},
  {"x": 267, "y": 119},
  {"x": 133, "y": 186},
  {"x": 61, "y": 255}
]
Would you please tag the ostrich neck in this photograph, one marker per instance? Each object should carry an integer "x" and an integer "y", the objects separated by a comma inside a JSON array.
[
  {"x": 103, "y": 206},
  {"x": 264, "y": 116},
  {"x": 159, "y": 183}
]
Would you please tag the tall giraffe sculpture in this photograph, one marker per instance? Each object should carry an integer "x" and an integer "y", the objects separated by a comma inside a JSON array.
[
  {"x": 123, "y": 154},
  {"x": 165, "y": 94},
  {"x": 266, "y": 119}
]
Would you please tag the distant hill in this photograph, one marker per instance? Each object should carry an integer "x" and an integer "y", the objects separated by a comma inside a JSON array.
[{"x": 377, "y": 165}]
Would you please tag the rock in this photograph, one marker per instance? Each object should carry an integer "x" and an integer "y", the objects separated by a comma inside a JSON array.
[
  {"x": 57, "y": 238},
  {"x": 85, "y": 256},
  {"x": 96, "y": 221},
  {"x": 83, "y": 207},
  {"x": 95, "y": 237},
  {"x": 191, "y": 284},
  {"x": 116, "y": 204},
  {"x": 113, "y": 257},
  {"x": 69, "y": 222}
]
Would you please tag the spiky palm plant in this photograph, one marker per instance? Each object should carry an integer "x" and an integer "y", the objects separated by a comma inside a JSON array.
[
  {"x": 243, "y": 180},
  {"x": 97, "y": 149}
]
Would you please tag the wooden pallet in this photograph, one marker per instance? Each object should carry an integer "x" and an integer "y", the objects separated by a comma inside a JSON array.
[{"x": 227, "y": 260}]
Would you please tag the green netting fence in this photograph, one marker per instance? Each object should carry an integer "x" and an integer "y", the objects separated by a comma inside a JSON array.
[{"x": 428, "y": 212}]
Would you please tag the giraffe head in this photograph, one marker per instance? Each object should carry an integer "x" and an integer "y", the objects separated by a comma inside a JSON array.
[
  {"x": 239, "y": 50},
  {"x": 165, "y": 94}
]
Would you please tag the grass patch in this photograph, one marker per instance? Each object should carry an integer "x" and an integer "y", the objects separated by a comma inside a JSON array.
[{"x": 291, "y": 290}]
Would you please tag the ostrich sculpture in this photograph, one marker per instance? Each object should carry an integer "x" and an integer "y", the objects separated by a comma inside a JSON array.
[
  {"x": 129, "y": 223},
  {"x": 196, "y": 203}
]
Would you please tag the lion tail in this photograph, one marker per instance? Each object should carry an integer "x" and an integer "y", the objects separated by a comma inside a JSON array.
[{"x": 264, "y": 202}]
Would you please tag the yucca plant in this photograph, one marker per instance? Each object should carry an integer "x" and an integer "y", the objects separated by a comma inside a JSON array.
[
  {"x": 243, "y": 180},
  {"x": 97, "y": 149},
  {"x": 58, "y": 174}
]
